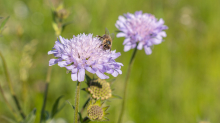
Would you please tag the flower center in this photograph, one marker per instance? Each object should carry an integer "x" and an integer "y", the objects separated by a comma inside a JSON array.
[{"x": 95, "y": 112}]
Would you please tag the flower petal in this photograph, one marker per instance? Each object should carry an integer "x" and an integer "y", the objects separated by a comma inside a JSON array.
[
  {"x": 64, "y": 56},
  {"x": 81, "y": 75},
  {"x": 62, "y": 40},
  {"x": 127, "y": 47},
  {"x": 147, "y": 49},
  {"x": 90, "y": 70},
  {"x": 121, "y": 18},
  {"x": 74, "y": 76},
  {"x": 53, "y": 62},
  {"x": 126, "y": 41},
  {"x": 52, "y": 52},
  {"x": 116, "y": 55},
  {"x": 138, "y": 13},
  {"x": 115, "y": 73},
  {"x": 119, "y": 71},
  {"x": 101, "y": 75},
  {"x": 121, "y": 34},
  {"x": 156, "y": 41},
  {"x": 110, "y": 71},
  {"x": 140, "y": 46},
  {"x": 163, "y": 34},
  {"x": 62, "y": 64}
]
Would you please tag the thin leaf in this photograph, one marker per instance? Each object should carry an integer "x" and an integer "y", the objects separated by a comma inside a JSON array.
[
  {"x": 46, "y": 116},
  {"x": 31, "y": 117},
  {"x": 4, "y": 22},
  {"x": 106, "y": 108},
  {"x": 112, "y": 81},
  {"x": 65, "y": 24},
  {"x": 55, "y": 108},
  {"x": 106, "y": 119},
  {"x": 86, "y": 120},
  {"x": 80, "y": 117},
  {"x": 86, "y": 103},
  {"x": 88, "y": 79},
  {"x": 84, "y": 89},
  {"x": 116, "y": 96},
  {"x": 71, "y": 105},
  {"x": 84, "y": 106}
]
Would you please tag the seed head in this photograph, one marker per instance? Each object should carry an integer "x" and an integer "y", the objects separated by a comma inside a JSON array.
[
  {"x": 96, "y": 111},
  {"x": 100, "y": 89}
]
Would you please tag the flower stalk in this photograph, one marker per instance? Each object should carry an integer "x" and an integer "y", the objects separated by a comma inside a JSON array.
[
  {"x": 45, "y": 93},
  {"x": 77, "y": 102},
  {"x": 126, "y": 84}
]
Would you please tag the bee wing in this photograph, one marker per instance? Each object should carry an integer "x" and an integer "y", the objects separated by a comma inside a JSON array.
[
  {"x": 112, "y": 36},
  {"x": 106, "y": 31}
]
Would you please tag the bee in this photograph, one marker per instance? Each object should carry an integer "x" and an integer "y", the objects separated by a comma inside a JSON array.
[{"x": 106, "y": 40}]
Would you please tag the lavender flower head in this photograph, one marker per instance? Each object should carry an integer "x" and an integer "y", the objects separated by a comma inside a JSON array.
[
  {"x": 143, "y": 29},
  {"x": 83, "y": 52}
]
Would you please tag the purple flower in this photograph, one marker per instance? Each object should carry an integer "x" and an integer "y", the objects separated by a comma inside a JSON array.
[
  {"x": 83, "y": 52},
  {"x": 143, "y": 29}
]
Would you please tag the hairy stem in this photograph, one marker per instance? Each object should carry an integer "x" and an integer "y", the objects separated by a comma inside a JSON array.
[
  {"x": 126, "y": 85},
  {"x": 45, "y": 93},
  {"x": 11, "y": 88},
  {"x": 77, "y": 102}
]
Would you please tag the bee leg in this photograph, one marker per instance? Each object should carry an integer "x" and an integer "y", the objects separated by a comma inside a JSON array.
[
  {"x": 100, "y": 45},
  {"x": 100, "y": 37}
]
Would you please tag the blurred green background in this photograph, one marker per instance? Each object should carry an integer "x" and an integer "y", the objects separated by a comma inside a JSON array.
[{"x": 178, "y": 83}]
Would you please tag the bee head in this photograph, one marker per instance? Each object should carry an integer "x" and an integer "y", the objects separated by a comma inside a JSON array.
[{"x": 108, "y": 42}]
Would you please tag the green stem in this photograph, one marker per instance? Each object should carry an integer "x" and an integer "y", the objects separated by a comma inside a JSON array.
[
  {"x": 126, "y": 84},
  {"x": 77, "y": 101},
  {"x": 18, "y": 106},
  {"x": 46, "y": 90},
  {"x": 11, "y": 88},
  {"x": 45, "y": 93},
  {"x": 7, "y": 74}
]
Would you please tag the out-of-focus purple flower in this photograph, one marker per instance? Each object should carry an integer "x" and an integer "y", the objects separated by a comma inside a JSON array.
[
  {"x": 83, "y": 52},
  {"x": 143, "y": 29}
]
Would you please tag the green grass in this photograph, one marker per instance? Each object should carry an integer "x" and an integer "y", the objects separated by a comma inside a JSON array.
[{"x": 178, "y": 83}]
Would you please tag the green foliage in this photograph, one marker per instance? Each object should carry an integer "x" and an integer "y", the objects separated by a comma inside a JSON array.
[
  {"x": 56, "y": 107},
  {"x": 3, "y": 24},
  {"x": 71, "y": 105},
  {"x": 46, "y": 116},
  {"x": 178, "y": 83},
  {"x": 30, "y": 117},
  {"x": 88, "y": 79}
]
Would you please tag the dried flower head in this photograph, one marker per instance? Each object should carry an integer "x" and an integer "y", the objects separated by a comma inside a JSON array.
[
  {"x": 100, "y": 89},
  {"x": 83, "y": 52},
  {"x": 142, "y": 29},
  {"x": 96, "y": 112}
]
